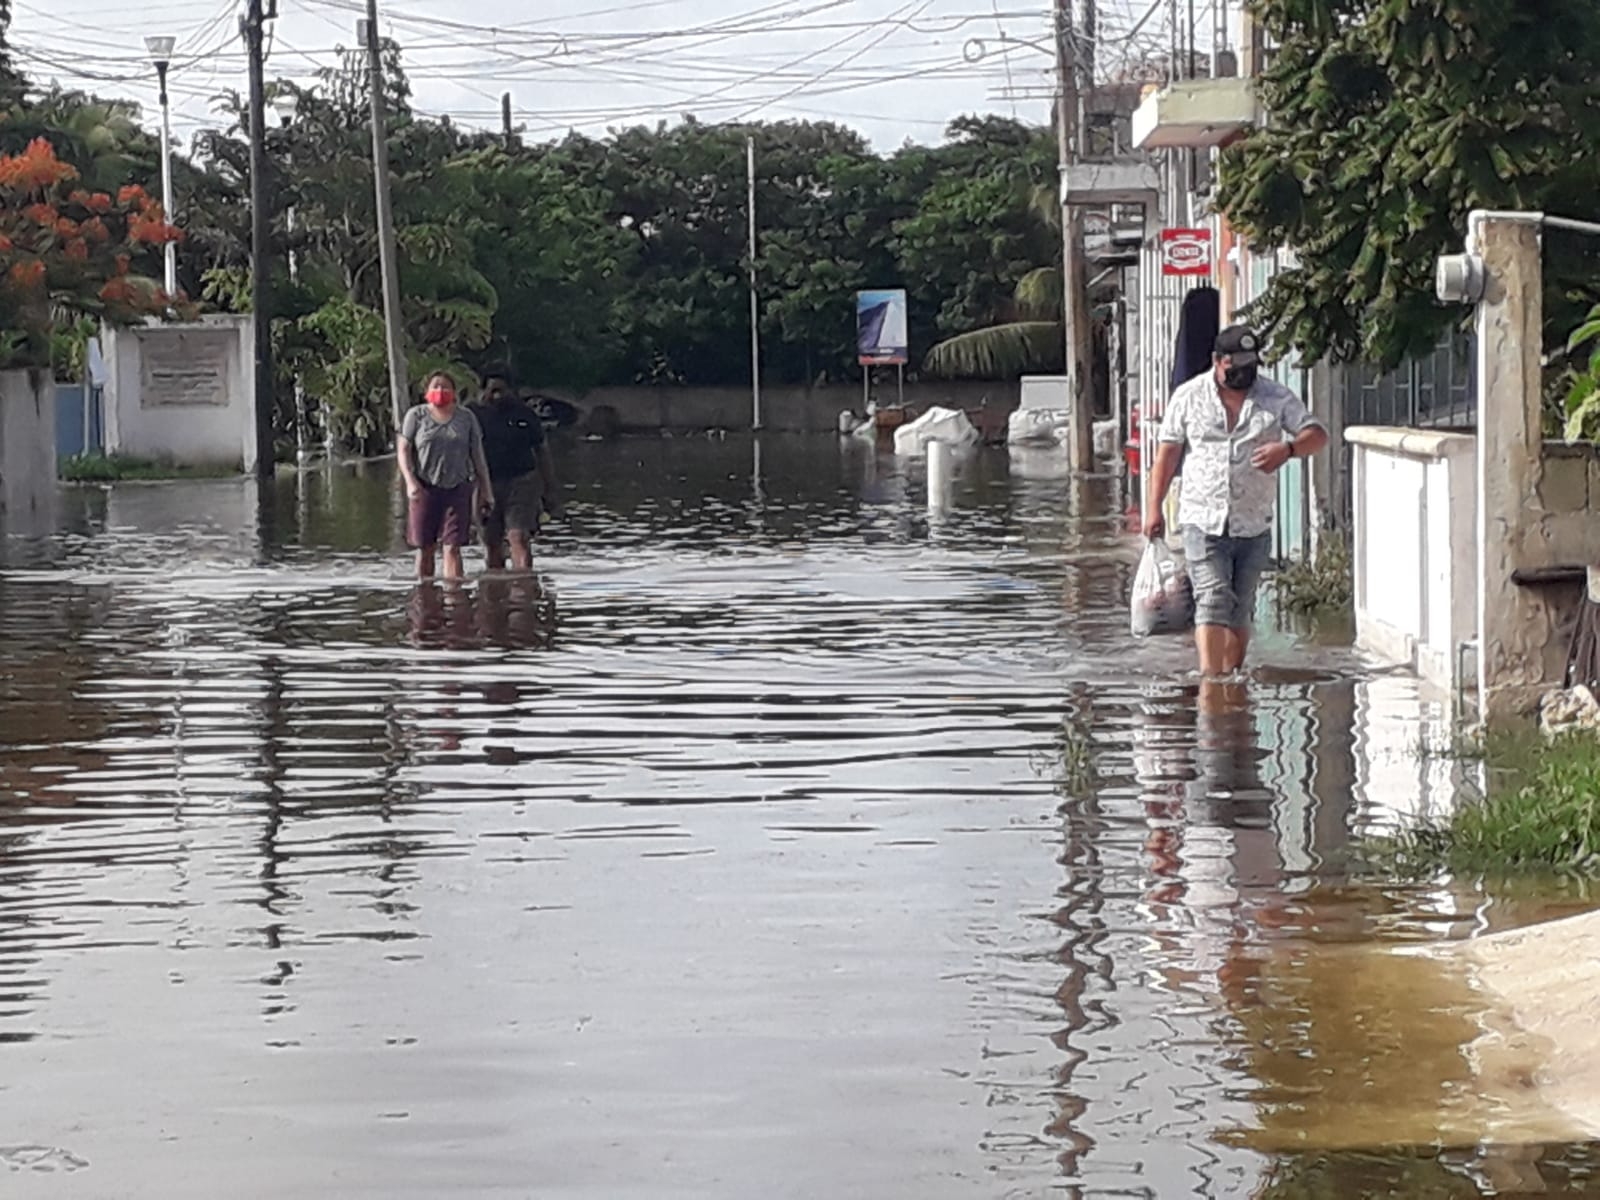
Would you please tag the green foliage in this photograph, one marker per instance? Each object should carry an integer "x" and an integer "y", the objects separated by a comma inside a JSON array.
[
  {"x": 69, "y": 347},
  {"x": 1542, "y": 815},
  {"x": 1323, "y": 584},
  {"x": 1001, "y": 351},
  {"x": 1581, "y": 408},
  {"x": 587, "y": 261},
  {"x": 101, "y": 468},
  {"x": 1391, "y": 120}
]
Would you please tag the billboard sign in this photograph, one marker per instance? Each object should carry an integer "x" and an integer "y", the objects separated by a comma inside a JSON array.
[
  {"x": 1186, "y": 251},
  {"x": 881, "y": 327}
]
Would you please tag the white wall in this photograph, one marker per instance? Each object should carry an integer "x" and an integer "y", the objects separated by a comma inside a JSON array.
[
  {"x": 1415, "y": 547},
  {"x": 182, "y": 394},
  {"x": 27, "y": 451}
]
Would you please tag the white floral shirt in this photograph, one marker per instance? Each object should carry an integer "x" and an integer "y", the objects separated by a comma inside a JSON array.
[{"x": 1222, "y": 492}]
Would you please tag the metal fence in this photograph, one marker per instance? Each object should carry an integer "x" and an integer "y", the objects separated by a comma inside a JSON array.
[{"x": 1437, "y": 391}]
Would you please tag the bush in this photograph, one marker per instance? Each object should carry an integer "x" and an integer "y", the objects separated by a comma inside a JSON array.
[{"x": 1325, "y": 584}]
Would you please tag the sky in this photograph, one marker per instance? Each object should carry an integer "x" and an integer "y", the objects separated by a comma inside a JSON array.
[{"x": 896, "y": 70}]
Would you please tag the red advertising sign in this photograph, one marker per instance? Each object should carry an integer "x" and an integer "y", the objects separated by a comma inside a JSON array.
[{"x": 1186, "y": 251}]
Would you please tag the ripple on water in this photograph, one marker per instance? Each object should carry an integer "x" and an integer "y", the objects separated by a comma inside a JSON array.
[{"x": 773, "y": 832}]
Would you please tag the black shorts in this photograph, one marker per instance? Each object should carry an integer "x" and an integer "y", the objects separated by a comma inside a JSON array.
[{"x": 517, "y": 504}]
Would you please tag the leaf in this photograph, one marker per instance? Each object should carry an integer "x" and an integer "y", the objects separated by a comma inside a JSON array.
[
  {"x": 1039, "y": 295},
  {"x": 1000, "y": 352},
  {"x": 1585, "y": 333}
]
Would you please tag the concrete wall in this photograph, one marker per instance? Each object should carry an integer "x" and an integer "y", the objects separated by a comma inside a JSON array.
[
  {"x": 183, "y": 394},
  {"x": 1416, "y": 537},
  {"x": 27, "y": 451},
  {"x": 1562, "y": 532},
  {"x": 649, "y": 409},
  {"x": 1415, "y": 547}
]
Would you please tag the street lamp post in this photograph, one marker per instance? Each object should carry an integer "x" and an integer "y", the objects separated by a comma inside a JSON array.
[
  {"x": 286, "y": 104},
  {"x": 160, "y": 49}
]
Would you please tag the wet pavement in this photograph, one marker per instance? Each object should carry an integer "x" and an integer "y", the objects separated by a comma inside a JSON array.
[{"x": 776, "y": 840}]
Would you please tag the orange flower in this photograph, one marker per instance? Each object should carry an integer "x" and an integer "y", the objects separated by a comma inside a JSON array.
[
  {"x": 131, "y": 193},
  {"x": 95, "y": 230},
  {"x": 66, "y": 228},
  {"x": 5, "y": 243},
  {"x": 35, "y": 168},
  {"x": 153, "y": 231},
  {"x": 116, "y": 291},
  {"x": 27, "y": 274},
  {"x": 41, "y": 214},
  {"x": 100, "y": 202},
  {"x": 78, "y": 250},
  {"x": 80, "y": 197},
  {"x": 124, "y": 264}
]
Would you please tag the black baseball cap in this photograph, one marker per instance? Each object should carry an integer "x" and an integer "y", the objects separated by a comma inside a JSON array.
[{"x": 1240, "y": 344}]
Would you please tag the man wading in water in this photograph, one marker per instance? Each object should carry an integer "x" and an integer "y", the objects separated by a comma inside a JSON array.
[
  {"x": 1238, "y": 430},
  {"x": 440, "y": 449},
  {"x": 521, "y": 475}
]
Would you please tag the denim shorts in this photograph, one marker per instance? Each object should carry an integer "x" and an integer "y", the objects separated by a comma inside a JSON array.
[{"x": 1225, "y": 571}]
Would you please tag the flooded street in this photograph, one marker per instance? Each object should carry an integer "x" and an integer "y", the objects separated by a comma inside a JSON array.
[{"x": 775, "y": 841}]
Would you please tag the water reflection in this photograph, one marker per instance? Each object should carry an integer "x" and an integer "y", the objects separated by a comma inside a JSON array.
[{"x": 765, "y": 832}]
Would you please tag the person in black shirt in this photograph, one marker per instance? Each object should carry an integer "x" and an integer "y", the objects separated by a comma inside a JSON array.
[{"x": 521, "y": 473}]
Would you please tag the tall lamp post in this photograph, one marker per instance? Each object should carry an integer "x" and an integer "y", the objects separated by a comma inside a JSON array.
[
  {"x": 160, "y": 48},
  {"x": 286, "y": 104}
]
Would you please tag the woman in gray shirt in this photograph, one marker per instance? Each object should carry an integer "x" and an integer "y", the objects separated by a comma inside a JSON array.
[{"x": 440, "y": 449}]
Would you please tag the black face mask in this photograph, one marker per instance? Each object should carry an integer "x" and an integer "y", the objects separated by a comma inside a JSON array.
[{"x": 1240, "y": 379}]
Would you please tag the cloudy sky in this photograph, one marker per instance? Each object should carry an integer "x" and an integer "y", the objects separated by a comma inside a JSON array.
[{"x": 895, "y": 69}]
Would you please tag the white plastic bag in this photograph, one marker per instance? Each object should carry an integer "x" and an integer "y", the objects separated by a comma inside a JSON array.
[
  {"x": 1163, "y": 597},
  {"x": 1047, "y": 426},
  {"x": 936, "y": 425}
]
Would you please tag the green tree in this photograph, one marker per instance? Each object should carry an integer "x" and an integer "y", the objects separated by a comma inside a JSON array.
[
  {"x": 558, "y": 266},
  {"x": 1390, "y": 121},
  {"x": 978, "y": 249},
  {"x": 328, "y": 330}
]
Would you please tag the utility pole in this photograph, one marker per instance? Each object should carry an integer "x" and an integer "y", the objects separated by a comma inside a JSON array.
[
  {"x": 1074, "y": 301},
  {"x": 254, "y": 23},
  {"x": 394, "y": 334},
  {"x": 755, "y": 328},
  {"x": 505, "y": 122}
]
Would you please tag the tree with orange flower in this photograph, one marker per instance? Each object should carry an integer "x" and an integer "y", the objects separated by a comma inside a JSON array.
[{"x": 66, "y": 253}]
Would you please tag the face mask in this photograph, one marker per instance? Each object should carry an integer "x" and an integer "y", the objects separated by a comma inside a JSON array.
[
  {"x": 1240, "y": 379},
  {"x": 440, "y": 397}
]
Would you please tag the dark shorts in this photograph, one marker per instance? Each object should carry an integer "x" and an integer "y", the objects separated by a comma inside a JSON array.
[
  {"x": 440, "y": 516},
  {"x": 1225, "y": 572},
  {"x": 517, "y": 503}
]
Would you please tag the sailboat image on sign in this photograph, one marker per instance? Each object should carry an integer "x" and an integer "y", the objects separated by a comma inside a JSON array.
[{"x": 881, "y": 327}]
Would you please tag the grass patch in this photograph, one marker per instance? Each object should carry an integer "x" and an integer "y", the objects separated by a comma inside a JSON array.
[
  {"x": 1541, "y": 816},
  {"x": 114, "y": 468},
  {"x": 1322, "y": 585}
]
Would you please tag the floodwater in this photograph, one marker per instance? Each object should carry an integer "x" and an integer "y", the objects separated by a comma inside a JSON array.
[{"x": 777, "y": 840}]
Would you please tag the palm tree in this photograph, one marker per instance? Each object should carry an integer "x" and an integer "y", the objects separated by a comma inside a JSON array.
[{"x": 1032, "y": 343}]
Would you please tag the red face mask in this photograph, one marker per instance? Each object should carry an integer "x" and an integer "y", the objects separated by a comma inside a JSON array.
[{"x": 440, "y": 396}]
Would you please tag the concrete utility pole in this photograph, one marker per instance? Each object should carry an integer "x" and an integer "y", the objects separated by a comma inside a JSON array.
[
  {"x": 389, "y": 266},
  {"x": 1074, "y": 298},
  {"x": 254, "y": 30},
  {"x": 755, "y": 313},
  {"x": 506, "y": 130}
]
